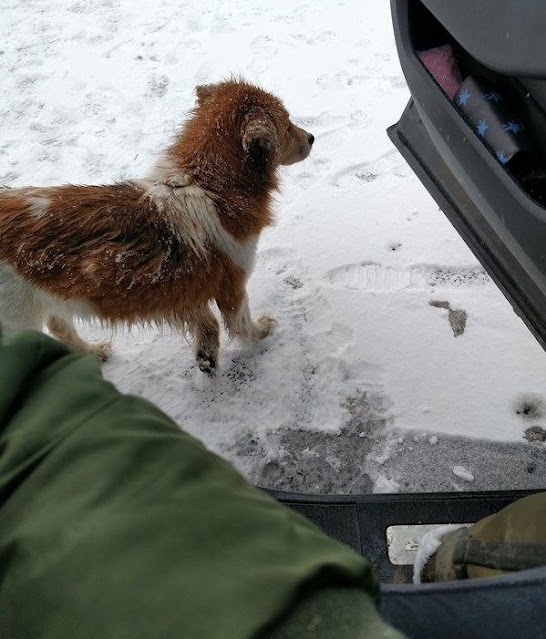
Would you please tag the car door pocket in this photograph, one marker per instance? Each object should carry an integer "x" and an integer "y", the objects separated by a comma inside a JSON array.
[
  {"x": 507, "y": 117},
  {"x": 492, "y": 118}
]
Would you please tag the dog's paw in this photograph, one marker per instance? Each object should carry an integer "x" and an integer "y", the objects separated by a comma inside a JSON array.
[
  {"x": 265, "y": 324},
  {"x": 102, "y": 350},
  {"x": 206, "y": 363}
]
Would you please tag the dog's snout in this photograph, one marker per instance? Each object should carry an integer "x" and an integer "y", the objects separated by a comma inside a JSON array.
[{"x": 310, "y": 138}]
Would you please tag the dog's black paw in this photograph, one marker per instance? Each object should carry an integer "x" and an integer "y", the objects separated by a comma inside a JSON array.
[{"x": 206, "y": 363}]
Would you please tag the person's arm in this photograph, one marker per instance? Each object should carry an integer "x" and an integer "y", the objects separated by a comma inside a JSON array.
[{"x": 333, "y": 613}]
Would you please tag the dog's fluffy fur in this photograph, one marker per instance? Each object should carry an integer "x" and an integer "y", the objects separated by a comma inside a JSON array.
[{"x": 158, "y": 249}]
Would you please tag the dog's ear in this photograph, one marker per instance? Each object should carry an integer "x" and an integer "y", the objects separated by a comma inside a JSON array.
[
  {"x": 260, "y": 141},
  {"x": 204, "y": 92}
]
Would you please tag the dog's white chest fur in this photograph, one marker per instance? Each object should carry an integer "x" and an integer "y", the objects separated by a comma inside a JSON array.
[{"x": 194, "y": 220}]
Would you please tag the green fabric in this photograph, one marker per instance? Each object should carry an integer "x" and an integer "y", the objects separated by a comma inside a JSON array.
[
  {"x": 115, "y": 524},
  {"x": 334, "y": 613}
]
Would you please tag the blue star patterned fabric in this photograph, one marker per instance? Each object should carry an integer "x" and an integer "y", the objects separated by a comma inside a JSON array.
[
  {"x": 482, "y": 127},
  {"x": 492, "y": 118},
  {"x": 463, "y": 97}
]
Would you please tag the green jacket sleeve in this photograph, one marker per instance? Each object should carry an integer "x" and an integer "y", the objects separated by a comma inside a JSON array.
[
  {"x": 115, "y": 524},
  {"x": 333, "y": 613}
]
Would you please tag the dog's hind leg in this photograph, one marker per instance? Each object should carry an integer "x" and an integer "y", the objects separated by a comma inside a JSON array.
[
  {"x": 205, "y": 330},
  {"x": 65, "y": 332},
  {"x": 21, "y": 306}
]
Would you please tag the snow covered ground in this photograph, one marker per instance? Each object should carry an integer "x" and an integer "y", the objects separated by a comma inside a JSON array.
[{"x": 397, "y": 364}]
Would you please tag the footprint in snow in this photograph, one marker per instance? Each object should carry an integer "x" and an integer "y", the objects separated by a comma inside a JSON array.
[
  {"x": 370, "y": 277},
  {"x": 263, "y": 51},
  {"x": 390, "y": 163}
]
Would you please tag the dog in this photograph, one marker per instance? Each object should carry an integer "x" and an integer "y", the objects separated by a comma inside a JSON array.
[{"x": 160, "y": 249}]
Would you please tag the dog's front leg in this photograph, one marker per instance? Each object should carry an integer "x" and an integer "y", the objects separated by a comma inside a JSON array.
[{"x": 238, "y": 320}]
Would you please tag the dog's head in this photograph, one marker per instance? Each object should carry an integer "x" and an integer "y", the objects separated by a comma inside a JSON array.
[{"x": 258, "y": 120}]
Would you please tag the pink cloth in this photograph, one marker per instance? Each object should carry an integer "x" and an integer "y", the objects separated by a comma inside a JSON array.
[{"x": 440, "y": 63}]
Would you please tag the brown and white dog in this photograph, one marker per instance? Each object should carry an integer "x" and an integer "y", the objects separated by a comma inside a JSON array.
[{"x": 159, "y": 249}]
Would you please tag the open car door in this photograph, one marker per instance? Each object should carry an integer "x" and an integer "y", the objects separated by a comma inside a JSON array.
[{"x": 484, "y": 162}]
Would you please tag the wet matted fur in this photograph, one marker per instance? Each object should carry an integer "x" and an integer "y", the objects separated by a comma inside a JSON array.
[{"x": 159, "y": 249}]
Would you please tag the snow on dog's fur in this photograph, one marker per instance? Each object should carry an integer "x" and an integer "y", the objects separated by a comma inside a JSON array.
[{"x": 158, "y": 249}]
